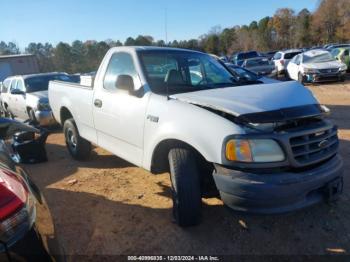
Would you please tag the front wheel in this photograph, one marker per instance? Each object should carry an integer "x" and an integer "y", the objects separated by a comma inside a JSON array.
[
  {"x": 32, "y": 117},
  {"x": 184, "y": 176},
  {"x": 301, "y": 78},
  {"x": 78, "y": 147}
]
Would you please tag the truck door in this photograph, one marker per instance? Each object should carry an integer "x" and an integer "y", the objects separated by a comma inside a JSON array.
[
  {"x": 119, "y": 115},
  {"x": 20, "y": 99}
]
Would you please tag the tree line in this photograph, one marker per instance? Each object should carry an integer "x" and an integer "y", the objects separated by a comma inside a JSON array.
[{"x": 329, "y": 23}]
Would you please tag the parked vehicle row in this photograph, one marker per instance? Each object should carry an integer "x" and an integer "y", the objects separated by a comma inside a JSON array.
[
  {"x": 282, "y": 58},
  {"x": 342, "y": 54},
  {"x": 239, "y": 58},
  {"x": 316, "y": 66},
  {"x": 267, "y": 148},
  {"x": 260, "y": 66},
  {"x": 324, "y": 69},
  {"x": 244, "y": 76}
]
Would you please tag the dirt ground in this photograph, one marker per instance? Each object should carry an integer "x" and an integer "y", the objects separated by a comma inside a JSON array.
[{"x": 108, "y": 206}]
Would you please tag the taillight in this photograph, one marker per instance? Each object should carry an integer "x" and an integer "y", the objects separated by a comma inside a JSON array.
[
  {"x": 13, "y": 194},
  {"x": 282, "y": 62},
  {"x": 17, "y": 207}
]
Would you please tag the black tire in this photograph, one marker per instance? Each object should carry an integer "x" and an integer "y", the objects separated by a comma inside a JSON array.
[
  {"x": 184, "y": 176},
  {"x": 301, "y": 78},
  {"x": 32, "y": 117},
  {"x": 11, "y": 115},
  {"x": 78, "y": 147}
]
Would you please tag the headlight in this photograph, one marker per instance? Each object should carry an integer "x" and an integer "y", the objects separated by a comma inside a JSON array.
[
  {"x": 310, "y": 71},
  {"x": 44, "y": 106},
  {"x": 254, "y": 150},
  {"x": 343, "y": 68}
]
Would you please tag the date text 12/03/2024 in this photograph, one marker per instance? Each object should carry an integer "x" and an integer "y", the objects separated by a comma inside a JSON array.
[{"x": 173, "y": 258}]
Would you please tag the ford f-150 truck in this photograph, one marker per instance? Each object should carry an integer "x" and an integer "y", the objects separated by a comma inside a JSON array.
[{"x": 266, "y": 148}]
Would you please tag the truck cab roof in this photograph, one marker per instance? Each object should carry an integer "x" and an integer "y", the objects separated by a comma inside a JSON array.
[{"x": 150, "y": 48}]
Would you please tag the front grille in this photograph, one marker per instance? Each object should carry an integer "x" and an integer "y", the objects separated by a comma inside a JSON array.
[
  {"x": 314, "y": 147},
  {"x": 329, "y": 70}
]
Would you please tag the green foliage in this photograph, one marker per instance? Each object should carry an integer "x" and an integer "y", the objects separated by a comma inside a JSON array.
[{"x": 9, "y": 48}]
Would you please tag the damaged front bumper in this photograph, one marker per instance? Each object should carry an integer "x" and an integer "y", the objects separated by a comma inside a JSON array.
[
  {"x": 45, "y": 118},
  {"x": 279, "y": 192},
  {"x": 318, "y": 77}
]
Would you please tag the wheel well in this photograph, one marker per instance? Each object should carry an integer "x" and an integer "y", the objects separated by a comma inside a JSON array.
[
  {"x": 65, "y": 114},
  {"x": 160, "y": 164}
]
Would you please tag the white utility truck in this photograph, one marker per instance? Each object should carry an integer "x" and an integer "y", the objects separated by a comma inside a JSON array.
[{"x": 266, "y": 148}]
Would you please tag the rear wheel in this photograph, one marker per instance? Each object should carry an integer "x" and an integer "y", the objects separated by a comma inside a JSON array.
[
  {"x": 184, "y": 176},
  {"x": 78, "y": 147}
]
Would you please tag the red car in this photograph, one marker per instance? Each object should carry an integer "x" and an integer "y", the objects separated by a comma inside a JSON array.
[{"x": 23, "y": 236}]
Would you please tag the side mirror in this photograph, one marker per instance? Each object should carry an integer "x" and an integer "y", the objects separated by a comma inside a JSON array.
[
  {"x": 16, "y": 92},
  {"x": 125, "y": 82}
]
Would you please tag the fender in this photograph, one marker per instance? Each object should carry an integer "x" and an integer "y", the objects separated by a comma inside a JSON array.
[{"x": 175, "y": 122}]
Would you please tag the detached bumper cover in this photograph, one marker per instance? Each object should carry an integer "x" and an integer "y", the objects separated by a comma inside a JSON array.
[{"x": 281, "y": 192}]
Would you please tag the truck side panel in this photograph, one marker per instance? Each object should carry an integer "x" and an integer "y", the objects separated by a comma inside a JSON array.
[
  {"x": 208, "y": 132},
  {"x": 79, "y": 101}
]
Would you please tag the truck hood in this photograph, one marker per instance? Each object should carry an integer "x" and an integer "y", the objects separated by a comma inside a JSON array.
[
  {"x": 40, "y": 95},
  {"x": 271, "y": 100}
]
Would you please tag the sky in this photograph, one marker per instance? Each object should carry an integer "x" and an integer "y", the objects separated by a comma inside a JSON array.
[{"x": 53, "y": 21}]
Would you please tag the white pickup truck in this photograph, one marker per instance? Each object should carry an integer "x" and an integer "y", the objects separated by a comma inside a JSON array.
[{"x": 266, "y": 148}]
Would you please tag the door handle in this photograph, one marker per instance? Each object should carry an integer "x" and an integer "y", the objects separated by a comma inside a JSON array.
[{"x": 98, "y": 103}]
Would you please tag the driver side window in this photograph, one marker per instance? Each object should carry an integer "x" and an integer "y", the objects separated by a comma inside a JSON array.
[
  {"x": 6, "y": 86},
  {"x": 20, "y": 85},
  {"x": 120, "y": 64},
  {"x": 196, "y": 73}
]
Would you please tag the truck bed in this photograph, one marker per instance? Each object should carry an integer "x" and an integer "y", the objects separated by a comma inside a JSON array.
[
  {"x": 70, "y": 84},
  {"x": 76, "y": 100}
]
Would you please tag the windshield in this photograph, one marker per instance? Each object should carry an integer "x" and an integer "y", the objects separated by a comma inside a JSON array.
[
  {"x": 181, "y": 71},
  {"x": 41, "y": 83},
  {"x": 325, "y": 57},
  {"x": 243, "y": 73},
  {"x": 291, "y": 55},
  {"x": 257, "y": 62}
]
